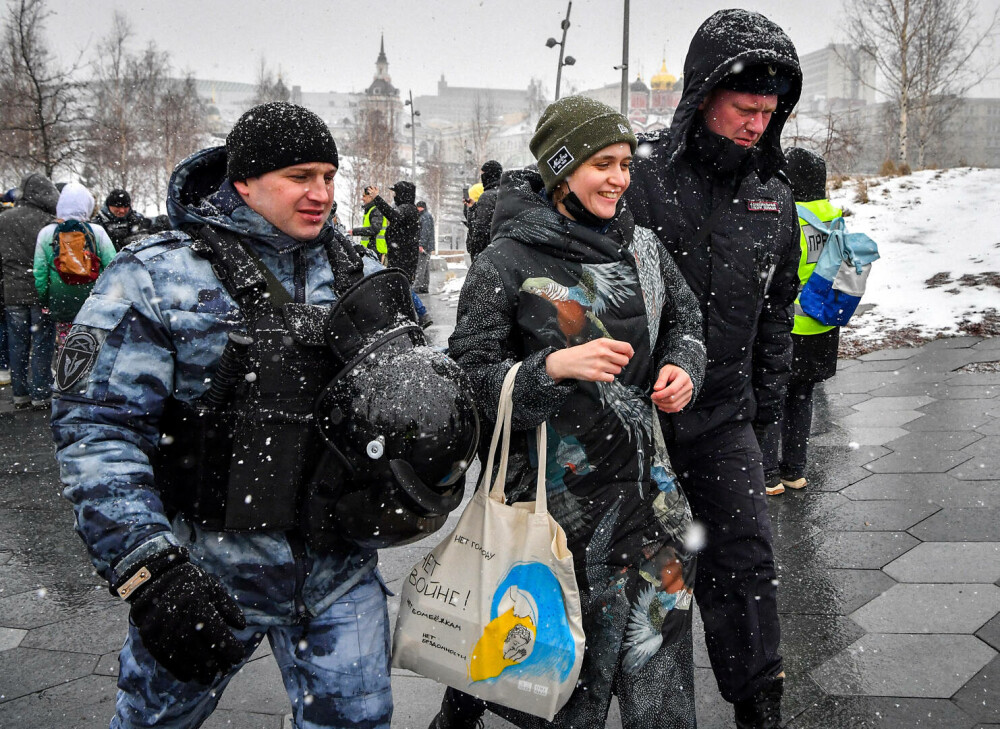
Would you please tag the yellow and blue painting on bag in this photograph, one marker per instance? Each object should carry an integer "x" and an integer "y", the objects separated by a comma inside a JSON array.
[{"x": 528, "y": 636}]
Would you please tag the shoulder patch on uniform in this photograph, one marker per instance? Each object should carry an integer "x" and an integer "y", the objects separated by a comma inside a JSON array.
[{"x": 76, "y": 358}]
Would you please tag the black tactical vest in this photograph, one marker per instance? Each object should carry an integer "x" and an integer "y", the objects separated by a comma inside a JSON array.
[{"x": 239, "y": 457}]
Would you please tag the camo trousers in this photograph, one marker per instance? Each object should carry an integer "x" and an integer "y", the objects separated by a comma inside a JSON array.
[{"x": 335, "y": 669}]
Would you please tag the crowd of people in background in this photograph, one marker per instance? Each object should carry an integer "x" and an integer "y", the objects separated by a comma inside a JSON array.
[{"x": 39, "y": 303}]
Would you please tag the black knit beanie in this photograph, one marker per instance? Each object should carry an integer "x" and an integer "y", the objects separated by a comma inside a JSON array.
[
  {"x": 572, "y": 130},
  {"x": 118, "y": 198},
  {"x": 490, "y": 173},
  {"x": 275, "y": 135},
  {"x": 806, "y": 172}
]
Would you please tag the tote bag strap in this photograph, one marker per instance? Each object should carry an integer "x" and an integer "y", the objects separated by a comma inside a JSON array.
[
  {"x": 501, "y": 437},
  {"x": 504, "y": 415}
]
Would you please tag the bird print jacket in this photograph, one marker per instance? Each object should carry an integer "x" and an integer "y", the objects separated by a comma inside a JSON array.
[{"x": 547, "y": 282}]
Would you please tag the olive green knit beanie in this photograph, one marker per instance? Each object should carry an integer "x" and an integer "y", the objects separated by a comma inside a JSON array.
[{"x": 570, "y": 131}]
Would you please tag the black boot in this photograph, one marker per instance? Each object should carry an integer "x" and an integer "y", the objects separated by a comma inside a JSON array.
[
  {"x": 459, "y": 711},
  {"x": 763, "y": 711}
]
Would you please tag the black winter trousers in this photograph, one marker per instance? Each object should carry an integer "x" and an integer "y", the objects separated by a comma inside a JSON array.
[
  {"x": 786, "y": 444},
  {"x": 736, "y": 590}
]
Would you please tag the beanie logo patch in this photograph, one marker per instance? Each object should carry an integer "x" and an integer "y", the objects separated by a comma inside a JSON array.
[
  {"x": 623, "y": 129},
  {"x": 558, "y": 162}
]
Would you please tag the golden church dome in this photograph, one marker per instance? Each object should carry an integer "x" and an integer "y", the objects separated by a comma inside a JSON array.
[{"x": 664, "y": 80}]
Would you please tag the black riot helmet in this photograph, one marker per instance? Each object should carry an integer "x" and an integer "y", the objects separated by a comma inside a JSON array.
[{"x": 399, "y": 417}]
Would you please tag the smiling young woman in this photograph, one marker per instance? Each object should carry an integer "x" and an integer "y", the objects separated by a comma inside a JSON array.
[{"x": 606, "y": 331}]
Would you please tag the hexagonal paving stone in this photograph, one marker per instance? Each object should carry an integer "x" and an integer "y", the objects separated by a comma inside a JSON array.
[
  {"x": 875, "y": 712},
  {"x": 871, "y": 382},
  {"x": 984, "y": 462},
  {"x": 958, "y": 608},
  {"x": 11, "y": 638},
  {"x": 859, "y": 436},
  {"x": 878, "y": 516},
  {"x": 882, "y": 354},
  {"x": 864, "y": 550},
  {"x": 948, "y": 562},
  {"x": 917, "y": 666},
  {"x": 964, "y": 420},
  {"x": 990, "y": 633},
  {"x": 894, "y": 403},
  {"x": 928, "y": 461},
  {"x": 941, "y": 489},
  {"x": 934, "y": 440},
  {"x": 97, "y": 633},
  {"x": 960, "y": 525},
  {"x": 964, "y": 342},
  {"x": 979, "y": 698},
  {"x": 879, "y": 419},
  {"x": 991, "y": 427},
  {"x": 25, "y": 670},
  {"x": 825, "y": 591},
  {"x": 83, "y": 703}
]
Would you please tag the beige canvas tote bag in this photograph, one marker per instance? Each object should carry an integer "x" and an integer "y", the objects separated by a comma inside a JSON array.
[{"x": 494, "y": 609}]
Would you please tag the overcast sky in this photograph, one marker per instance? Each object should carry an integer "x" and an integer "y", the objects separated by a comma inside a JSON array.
[{"x": 331, "y": 45}]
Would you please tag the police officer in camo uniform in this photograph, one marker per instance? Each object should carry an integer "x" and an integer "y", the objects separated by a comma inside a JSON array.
[{"x": 210, "y": 555}]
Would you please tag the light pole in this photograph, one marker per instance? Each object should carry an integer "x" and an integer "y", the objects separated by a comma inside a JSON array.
[
  {"x": 412, "y": 126},
  {"x": 562, "y": 48},
  {"x": 624, "y": 66}
]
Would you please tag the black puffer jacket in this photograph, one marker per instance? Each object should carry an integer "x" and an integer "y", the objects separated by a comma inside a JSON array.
[
  {"x": 480, "y": 217},
  {"x": 745, "y": 273},
  {"x": 548, "y": 283},
  {"x": 123, "y": 231},
  {"x": 18, "y": 232},
  {"x": 403, "y": 234}
]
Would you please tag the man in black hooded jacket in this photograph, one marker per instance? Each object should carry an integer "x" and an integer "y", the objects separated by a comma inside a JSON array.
[
  {"x": 707, "y": 187},
  {"x": 479, "y": 214},
  {"x": 403, "y": 234}
]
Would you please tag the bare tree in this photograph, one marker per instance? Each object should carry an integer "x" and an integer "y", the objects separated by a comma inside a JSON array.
[
  {"x": 39, "y": 113},
  {"x": 434, "y": 180},
  {"x": 180, "y": 128},
  {"x": 142, "y": 121},
  {"x": 270, "y": 86},
  {"x": 837, "y": 135},
  {"x": 922, "y": 49},
  {"x": 482, "y": 125}
]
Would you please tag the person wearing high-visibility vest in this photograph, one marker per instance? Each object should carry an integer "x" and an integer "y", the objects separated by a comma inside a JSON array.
[
  {"x": 373, "y": 225},
  {"x": 814, "y": 345}
]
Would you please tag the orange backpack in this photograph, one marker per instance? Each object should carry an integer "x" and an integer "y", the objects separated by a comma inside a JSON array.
[{"x": 74, "y": 249}]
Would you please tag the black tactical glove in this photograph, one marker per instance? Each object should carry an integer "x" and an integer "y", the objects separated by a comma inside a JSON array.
[{"x": 184, "y": 617}]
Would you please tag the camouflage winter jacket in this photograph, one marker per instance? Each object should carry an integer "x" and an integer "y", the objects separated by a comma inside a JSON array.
[{"x": 158, "y": 320}]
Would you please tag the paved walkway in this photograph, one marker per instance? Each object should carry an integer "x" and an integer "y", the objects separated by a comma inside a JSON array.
[{"x": 889, "y": 567}]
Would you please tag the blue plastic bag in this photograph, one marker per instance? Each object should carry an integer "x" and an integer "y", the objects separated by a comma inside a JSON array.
[{"x": 834, "y": 289}]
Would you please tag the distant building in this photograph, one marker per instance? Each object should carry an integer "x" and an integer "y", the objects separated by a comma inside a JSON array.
[
  {"x": 649, "y": 107},
  {"x": 381, "y": 96},
  {"x": 836, "y": 77},
  {"x": 460, "y": 104}
]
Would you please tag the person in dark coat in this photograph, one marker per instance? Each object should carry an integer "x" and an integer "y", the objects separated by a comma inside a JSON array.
[
  {"x": 607, "y": 332},
  {"x": 421, "y": 283},
  {"x": 30, "y": 331},
  {"x": 479, "y": 214},
  {"x": 122, "y": 223},
  {"x": 403, "y": 234},
  {"x": 708, "y": 188},
  {"x": 814, "y": 345}
]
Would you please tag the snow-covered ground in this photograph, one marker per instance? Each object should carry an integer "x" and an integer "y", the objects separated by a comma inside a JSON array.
[
  {"x": 938, "y": 235},
  {"x": 939, "y": 241}
]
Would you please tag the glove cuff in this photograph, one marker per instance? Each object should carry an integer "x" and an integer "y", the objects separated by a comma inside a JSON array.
[{"x": 132, "y": 580}]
